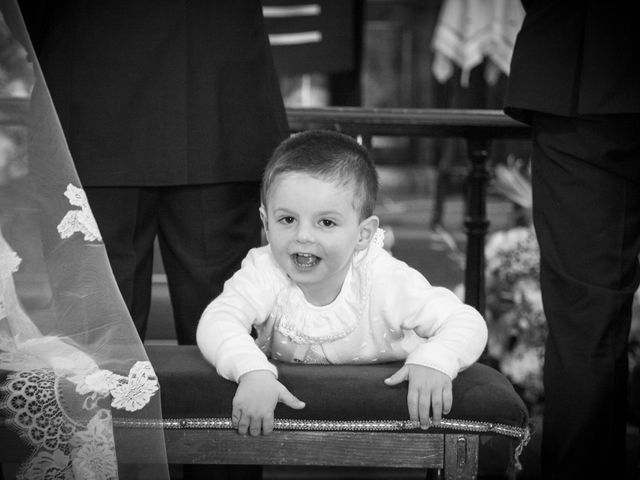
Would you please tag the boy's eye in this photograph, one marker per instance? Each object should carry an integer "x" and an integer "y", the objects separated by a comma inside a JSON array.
[
  {"x": 287, "y": 220},
  {"x": 325, "y": 222}
]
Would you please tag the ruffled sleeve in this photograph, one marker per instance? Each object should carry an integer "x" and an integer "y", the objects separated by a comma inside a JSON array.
[{"x": 248, "y": 297}]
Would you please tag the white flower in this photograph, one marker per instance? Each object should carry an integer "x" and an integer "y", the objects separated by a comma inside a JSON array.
[
  {"x": 523, "y": 366},
  {"x": 528, "y": 290},
  {"x": 95, "y": 461},
  {"x": 82, "y": 220},
  {"x": 517, "y": 325},
  {"x": 140, "y": 386},
  {"x": 100, "y": 382},
  {"x": 130, "y": 393}
]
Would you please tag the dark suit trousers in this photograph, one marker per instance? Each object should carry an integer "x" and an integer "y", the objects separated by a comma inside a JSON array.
[
  {"x": 586, "y": 210},
  {"x": 204, "y": 232}
]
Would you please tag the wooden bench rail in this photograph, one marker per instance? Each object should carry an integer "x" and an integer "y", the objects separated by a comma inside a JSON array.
[
  {"x": 452, "y": 455},
  {"x": 295, "y": 448},
  {"x": 390, "y": 443}
]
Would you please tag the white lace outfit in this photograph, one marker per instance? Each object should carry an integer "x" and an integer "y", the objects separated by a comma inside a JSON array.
[{"x": 385, "y": 311}]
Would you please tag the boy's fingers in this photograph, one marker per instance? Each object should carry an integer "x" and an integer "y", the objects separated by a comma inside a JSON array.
[
  {"x": 267, "y": 425},
  {"x": 243, "y": 424},
  {"x": 412, "y": 404},
  {"x": 425, "y": 403},
  {"x": 290, "y": 400},
  {"x": 436, "y": 407},
  {"x": 447, "y": 401},
  {"x": 256, "y": 426},
  {"x": 398, "y": 377},
  {"x": 235, "y": 417}
]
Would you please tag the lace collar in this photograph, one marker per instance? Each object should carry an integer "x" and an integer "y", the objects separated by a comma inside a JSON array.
[{"x": 304, "y": 323}]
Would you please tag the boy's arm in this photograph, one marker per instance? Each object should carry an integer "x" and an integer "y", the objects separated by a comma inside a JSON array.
[
  {"x": 224, "y": 338},
  {"x": 456, "y": 333},
  {"x": 224, "y": 330}
]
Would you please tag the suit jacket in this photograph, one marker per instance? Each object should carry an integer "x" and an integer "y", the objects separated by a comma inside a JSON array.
[
  {"x": 576, "y": 57},
  {"x": 160, "y": 92}
]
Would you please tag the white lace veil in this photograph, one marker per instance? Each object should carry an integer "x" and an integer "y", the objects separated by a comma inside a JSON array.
[{"x": 71, "y": 361}]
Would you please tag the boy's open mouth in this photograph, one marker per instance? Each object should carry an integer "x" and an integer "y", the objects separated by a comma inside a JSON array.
[{"x": 305, "y": 260}]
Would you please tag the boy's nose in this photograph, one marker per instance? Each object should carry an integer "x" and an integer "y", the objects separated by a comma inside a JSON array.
[{"x": 304, "y": 233}]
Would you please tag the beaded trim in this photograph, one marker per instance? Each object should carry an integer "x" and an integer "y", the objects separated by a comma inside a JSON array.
[
  {"x": 327, "y": 425},
  {"x": 521, "y": 433}
]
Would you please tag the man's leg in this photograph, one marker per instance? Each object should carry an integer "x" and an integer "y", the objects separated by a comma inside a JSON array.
[
  {"x": 205, "y": 232},
  {"x": 127, "y": 221},
  {"x": 586, "y": 210}
]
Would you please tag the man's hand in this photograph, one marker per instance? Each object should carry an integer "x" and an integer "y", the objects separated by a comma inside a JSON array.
[
  {"x": 429, "y": 389},
  {"x": 255, "y": 401}
]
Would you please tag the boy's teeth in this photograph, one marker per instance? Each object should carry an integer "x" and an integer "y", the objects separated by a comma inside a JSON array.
[{"x": 305, "y": 258}]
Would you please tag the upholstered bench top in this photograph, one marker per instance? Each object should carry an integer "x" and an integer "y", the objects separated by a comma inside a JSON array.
[
  {"x": 484, "y": 401},
  {"x": 190, "y": 387}
]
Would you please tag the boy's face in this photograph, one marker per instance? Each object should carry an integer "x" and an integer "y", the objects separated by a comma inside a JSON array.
[{"x": 313, "y": 230}]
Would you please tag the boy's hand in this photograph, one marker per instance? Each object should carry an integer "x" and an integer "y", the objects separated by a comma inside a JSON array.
[
  {"x": 255, "y": 400},
  {"x": 429, "y": 389}
]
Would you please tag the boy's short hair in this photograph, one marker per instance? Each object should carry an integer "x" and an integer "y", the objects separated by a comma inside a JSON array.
[{"x": 327, "y": 155}]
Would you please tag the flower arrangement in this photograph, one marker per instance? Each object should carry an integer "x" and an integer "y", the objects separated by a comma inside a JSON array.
[{"x": 517, "y": 326}]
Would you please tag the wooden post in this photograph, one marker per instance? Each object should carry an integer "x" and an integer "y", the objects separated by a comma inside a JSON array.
[{"x": 476, "y": 223}]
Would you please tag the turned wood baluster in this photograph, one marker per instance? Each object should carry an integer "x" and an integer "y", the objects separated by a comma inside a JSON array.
[{"x": 476, "y": 222}]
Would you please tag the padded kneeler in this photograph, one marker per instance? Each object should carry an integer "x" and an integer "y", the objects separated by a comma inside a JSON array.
[{"x": 346, "y": 397}]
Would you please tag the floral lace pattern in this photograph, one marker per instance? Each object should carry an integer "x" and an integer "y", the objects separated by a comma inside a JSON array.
[
  {"x": 35, "y": 411},
  {"x": 64, "y": 447},
  {"x": 129, "y": 393},
  {"x": 80, "y": 221}
]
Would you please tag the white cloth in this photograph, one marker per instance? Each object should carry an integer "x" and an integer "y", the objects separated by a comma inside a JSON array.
[
  {"x": 385, "y": 311},
  {"x": 470, "y": 30}
]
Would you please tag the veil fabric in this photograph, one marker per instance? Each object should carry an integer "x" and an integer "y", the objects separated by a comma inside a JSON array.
[{"x": 70, "y": 358}]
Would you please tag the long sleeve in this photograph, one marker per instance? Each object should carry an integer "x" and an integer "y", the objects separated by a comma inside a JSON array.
[
  {"x": 455, "y": 333},
  {"x": 224, "y": 331}
]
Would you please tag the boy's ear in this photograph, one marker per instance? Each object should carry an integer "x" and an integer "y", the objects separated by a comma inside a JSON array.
[
  {"x": 368, "y": 228},
  {"x": 263, "y": 217}
]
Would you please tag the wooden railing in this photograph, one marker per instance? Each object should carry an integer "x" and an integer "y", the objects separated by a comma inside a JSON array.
[{"x": 478, "y": 127}]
